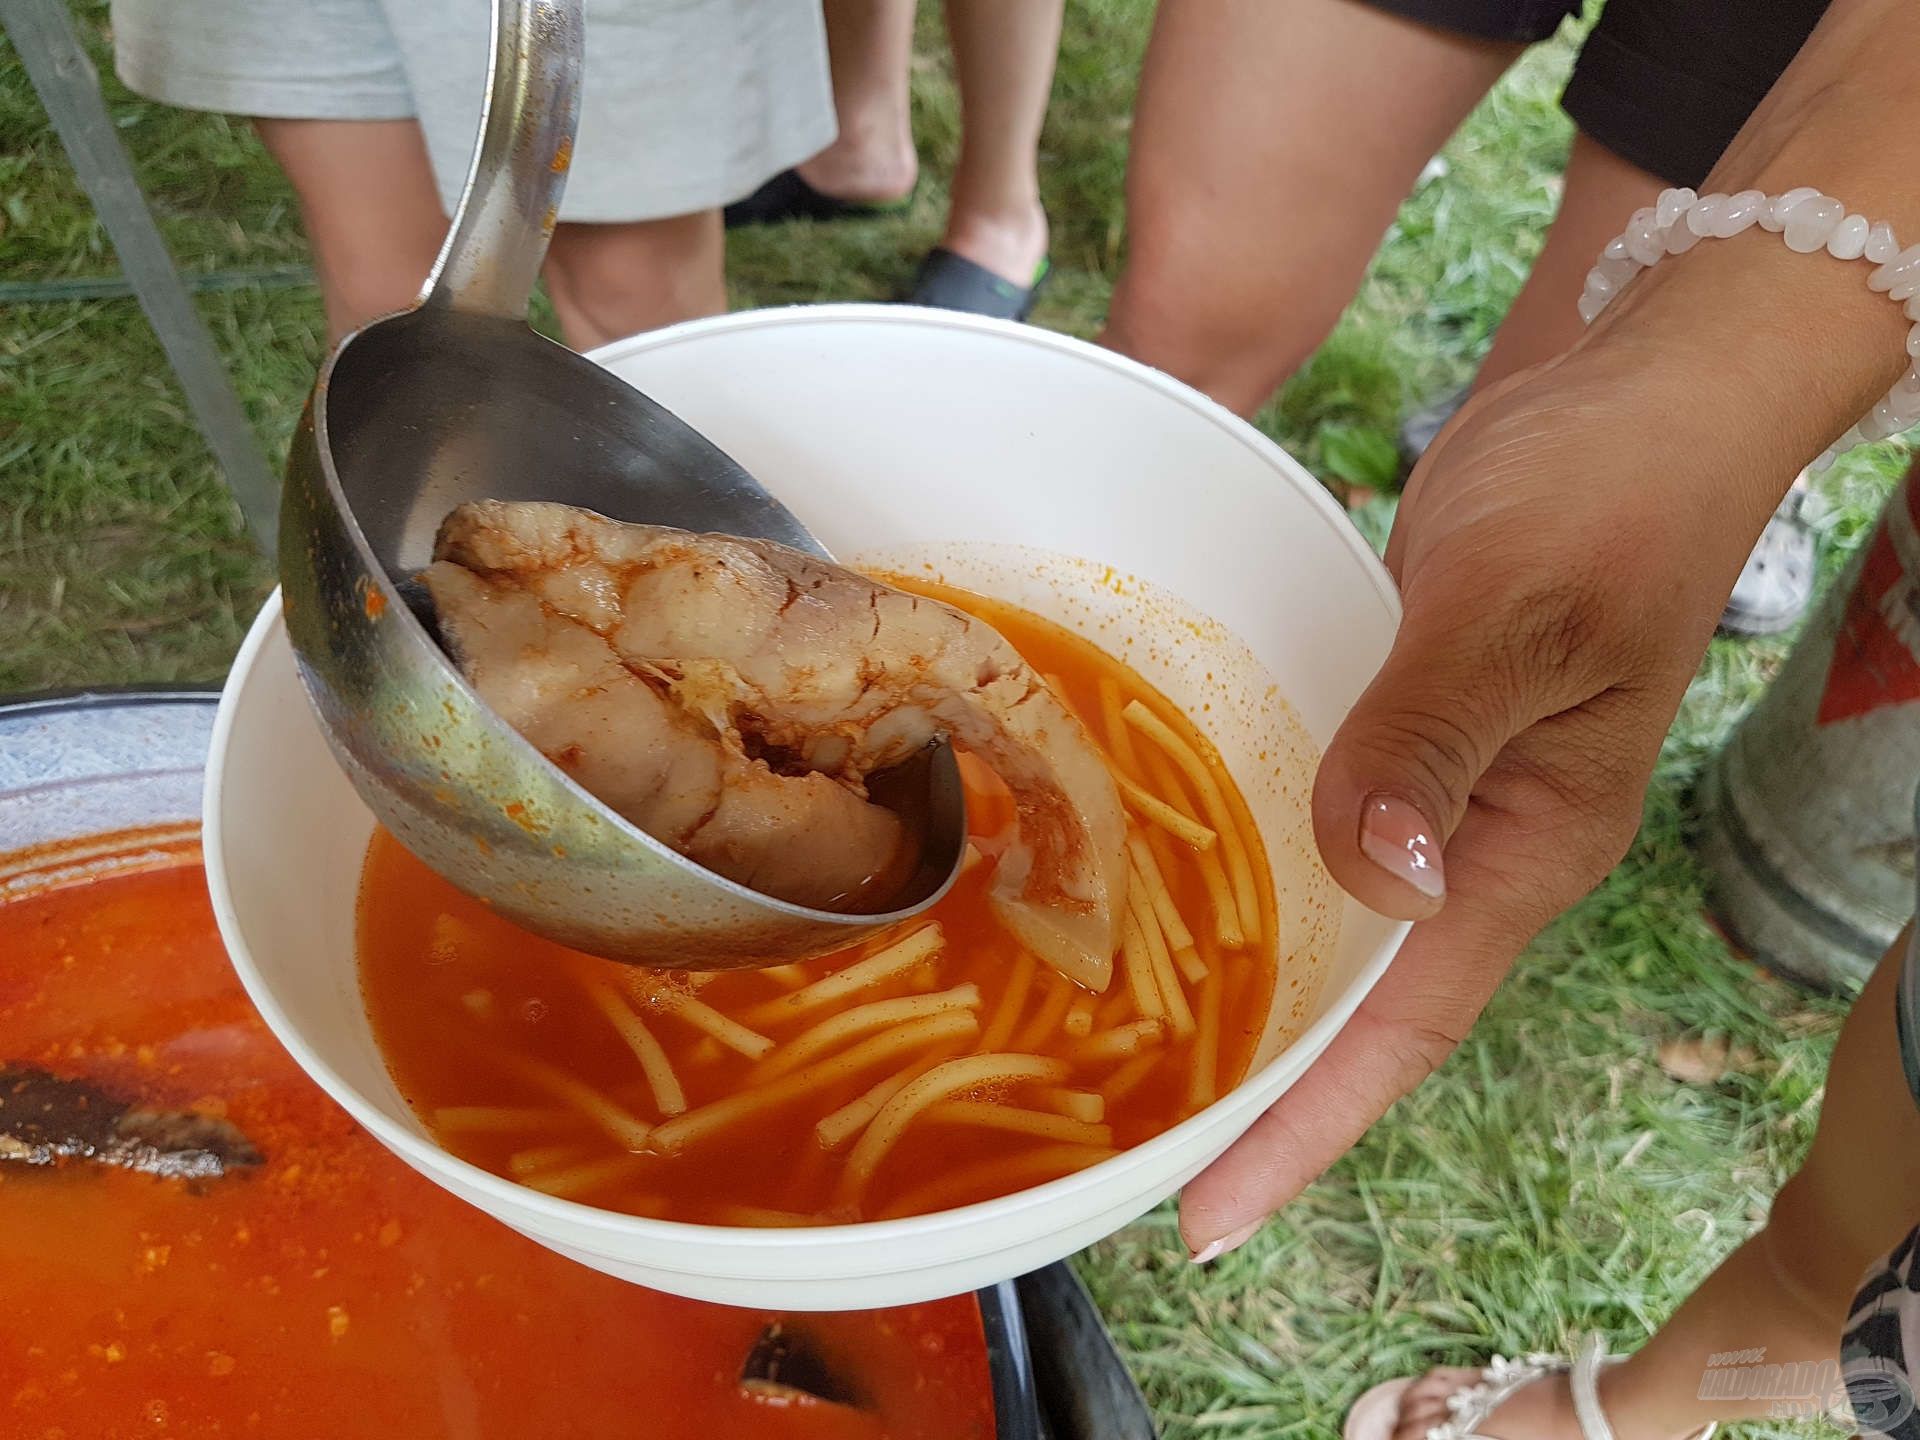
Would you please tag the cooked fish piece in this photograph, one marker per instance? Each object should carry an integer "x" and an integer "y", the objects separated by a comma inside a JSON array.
[
  {"x": 45, "y": 1119},
  {"x": 799, "y": 837},
  {"x": 786, "y": 1367},
  {"x": 733, "y": 697}
]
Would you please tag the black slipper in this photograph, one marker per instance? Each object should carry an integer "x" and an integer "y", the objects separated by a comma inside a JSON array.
[
  {"x": 788, "y": 196},
  {"x": 952, "y": 282}
]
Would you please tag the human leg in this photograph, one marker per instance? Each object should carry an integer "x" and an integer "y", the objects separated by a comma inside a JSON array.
[
  {"x": 1262, "y": 176},
  {"x": 329, "y": 97},
  {"x": 372, "y": 216},
  {"x": 870, "y": 49},
  {"x": 610, "y": 281},
  {"x": 1600, "y": 191},
  {"x": 1786, "y": 1291},
  {"x": 1004, "y": 53}
]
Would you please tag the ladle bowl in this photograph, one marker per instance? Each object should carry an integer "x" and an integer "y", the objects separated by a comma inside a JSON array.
[{"x": 458, "y": 399}]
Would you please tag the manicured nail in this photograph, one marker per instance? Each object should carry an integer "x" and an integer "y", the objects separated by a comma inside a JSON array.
[
  {"x": 1397, "y": 838},
  {"x": 1215, "y": 1249}
]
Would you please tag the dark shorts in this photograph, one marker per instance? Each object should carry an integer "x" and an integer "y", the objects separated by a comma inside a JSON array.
[{"x": 1664, "y": 84}]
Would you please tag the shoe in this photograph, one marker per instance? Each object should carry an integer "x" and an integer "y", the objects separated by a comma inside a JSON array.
[
  {"x": 788, "y": 196},
  {"x": 1776, "y": 584},
  {"x": 952, "y": 282}
]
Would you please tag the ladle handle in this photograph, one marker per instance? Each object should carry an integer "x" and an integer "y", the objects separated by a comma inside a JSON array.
[{"x": 511, "y": 200}]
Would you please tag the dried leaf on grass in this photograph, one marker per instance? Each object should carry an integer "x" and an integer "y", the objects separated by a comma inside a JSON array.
[{"x": 1703, "y": 1059}]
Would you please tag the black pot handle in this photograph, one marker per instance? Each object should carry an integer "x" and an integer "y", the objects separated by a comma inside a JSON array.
[
  {"x": 1084, "y": 1389},
  {"x": 1016, "y": 1402}
]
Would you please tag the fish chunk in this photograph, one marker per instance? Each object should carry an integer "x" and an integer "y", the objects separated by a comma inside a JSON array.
[
  {"x": 785, "y": 1367},
  {"x": 45, "y": 1119},
  {"x": 800, "y": 837},
  {"x": 732, "y": 697}
]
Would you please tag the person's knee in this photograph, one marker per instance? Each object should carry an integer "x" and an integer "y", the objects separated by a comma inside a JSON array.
[
  {"x": 610, "y": 281},
  {"x": 1226, "y": 329}
]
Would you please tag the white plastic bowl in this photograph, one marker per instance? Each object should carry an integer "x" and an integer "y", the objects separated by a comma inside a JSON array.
[{"x": 1035, "y": 466}]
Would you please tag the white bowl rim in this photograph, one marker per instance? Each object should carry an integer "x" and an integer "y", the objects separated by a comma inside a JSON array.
[
  {"x": 925, "y": 318},
  {"x": 502, "y": 1194}
]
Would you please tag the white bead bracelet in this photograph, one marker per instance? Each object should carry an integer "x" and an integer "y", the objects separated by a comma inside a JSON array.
[{"x": 1808, "y": 221}]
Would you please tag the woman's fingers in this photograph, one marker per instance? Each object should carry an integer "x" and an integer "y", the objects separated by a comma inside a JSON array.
[
  {"x": 1395, "y": 782},
  {"x": 1412, "y": 1021},
  {"x": 1550, "y": 816},
  {"x": 1464, "y": 677}
]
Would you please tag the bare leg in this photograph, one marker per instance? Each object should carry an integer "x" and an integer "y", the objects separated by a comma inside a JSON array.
[
  {"x": 870, "y": 46},
  {"x": 1263, "y": 176},
  {"x": 610, "y": 281},
  {"x": 373, "y": 217},
  {"x": 1601, "y": 192},
  {"x": 1787, "y": 1290},
  {"x": 1003, "y": 53}
]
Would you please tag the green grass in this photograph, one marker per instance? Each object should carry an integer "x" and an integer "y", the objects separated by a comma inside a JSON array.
[{"x": 1549, "y": 1178}]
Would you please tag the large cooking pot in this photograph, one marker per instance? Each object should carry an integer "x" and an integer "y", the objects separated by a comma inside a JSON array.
[{"x": 130, "y": 762}]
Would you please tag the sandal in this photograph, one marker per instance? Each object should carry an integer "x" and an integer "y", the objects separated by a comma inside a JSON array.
[
  {"x": 952, "y": 282},
  {"x": 1373, "y": 1415},
  {"x": 1776, "y": 584},
  {"x": 788, "y": 196}
]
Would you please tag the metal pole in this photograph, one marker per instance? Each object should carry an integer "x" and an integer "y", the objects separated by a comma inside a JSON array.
[{"x": 43, "y": 33}]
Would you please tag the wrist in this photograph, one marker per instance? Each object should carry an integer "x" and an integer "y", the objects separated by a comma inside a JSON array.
[
  {"x": 1742, "y": 344},
  {"x": 1784, "y": 351}
]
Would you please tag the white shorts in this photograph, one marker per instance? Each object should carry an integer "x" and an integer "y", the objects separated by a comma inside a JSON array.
[{"x": 685, "y": 104}]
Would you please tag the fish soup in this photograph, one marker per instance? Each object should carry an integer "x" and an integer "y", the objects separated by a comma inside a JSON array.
[
  {"x": 197, "y": 1242},
  {"x": 932, "y": 1068}
]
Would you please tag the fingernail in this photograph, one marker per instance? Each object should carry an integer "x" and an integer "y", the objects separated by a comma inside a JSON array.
[
  {"x": 1215, "y": 1249},
  {"x": 1397, "y": 838}
]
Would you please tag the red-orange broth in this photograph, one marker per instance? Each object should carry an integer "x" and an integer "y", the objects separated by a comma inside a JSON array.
[
  {"x": 476, "y": 1018},
  {"x": 332, "y": 1294}
]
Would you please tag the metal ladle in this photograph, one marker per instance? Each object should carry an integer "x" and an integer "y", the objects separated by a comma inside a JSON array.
[{"x": 458, "y": 399}]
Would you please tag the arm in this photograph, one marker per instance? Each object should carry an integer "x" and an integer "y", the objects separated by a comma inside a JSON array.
[
  {"x": 1796, "y": 347},
  {"x": 1564, "y": 551}
]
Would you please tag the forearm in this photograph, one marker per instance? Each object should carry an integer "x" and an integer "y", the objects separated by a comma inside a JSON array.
[{"x": 1752, "y": 358}]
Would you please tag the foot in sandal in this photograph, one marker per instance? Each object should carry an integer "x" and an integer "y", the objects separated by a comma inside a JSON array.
[
  {"x": 991, "y": 264},
  {"x": 1537, "y": 1397}
]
